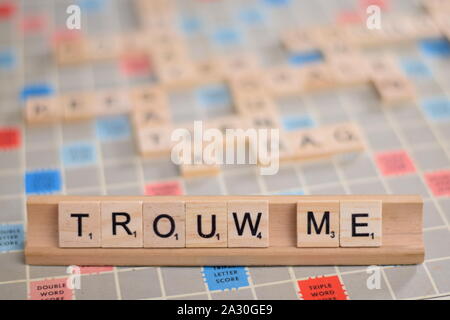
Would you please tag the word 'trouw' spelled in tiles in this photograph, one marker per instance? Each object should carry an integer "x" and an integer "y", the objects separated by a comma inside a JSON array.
[{"x": 214, "y": 224}]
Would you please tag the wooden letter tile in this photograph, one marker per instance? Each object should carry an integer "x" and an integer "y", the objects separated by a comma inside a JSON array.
[
  {"x": 206, "y": 224},
  {"x": 360, "y": 223},
  {"x": 248, "y": 223},
  {"x": 79, "y": 224},
  {"x": 122, "y": 224},
  {"x": 164, "y": 224},
  {"x": 42, "y": 110},
  {"x": 112, "y": 102},
  {"x": 77, "y": 106},
  {"x": 154, "y": 141},
  {"x": 395, "y": 89},
  {"x": 317, "y": 224}
]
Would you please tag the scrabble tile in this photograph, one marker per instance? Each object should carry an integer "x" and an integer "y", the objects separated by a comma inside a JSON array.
[
  {"x": 178, "y": 73},
  {"x": 148, "y": 117},
  {"x": 248, "y": 223},
  {"x": 199, "y": 170},
  {"x": 79, "y": 224},
  {"x": 308, "y": 143},
  {"x": 71, "y": 51},
  {"x": 395, "y": 89},
  {"x": 208, "y": 71},
  {"x": 42, "y": 110},
  {"x": 244, "y": 84},
  {"x": 133, "y": 42},
  {"x": 360, "y": 223},
  {"x": 104, "y": 48},
  {"x": 338, "y": 49},
  {"x": 232, "y": 122},
  {"x": 317, "y": 224},
  {"x": 299, "y": 40},
  {"x": 349, "y": 70},
  {"x": 77, "y": 106},
  {"x": 383, "y": 66},
  {"x": 263, "y": 120},
  {"x": 169, "y": 52},
  {"x": 144, "y": 97},
  {"x": 206, "y": 224},
  {"x": 164, "y": 224},
  {"x": 252, "y": 104},
  {"x": 324, "y": 35},
  {"x": 154, "y": 141},
  {"x": 112, "y": 102},
  {"x": 239, "y": 63},
  {"x": 317, "y": 77},
  {"x": 343, "y": 137},
  {"x": 121, "y": 224},
  {"x": 283, "y": 81}
]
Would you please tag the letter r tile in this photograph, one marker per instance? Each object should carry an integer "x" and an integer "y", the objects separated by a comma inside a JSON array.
[
  {"x": 79, "y": 224},
  {"x": 122, "y": 224}
]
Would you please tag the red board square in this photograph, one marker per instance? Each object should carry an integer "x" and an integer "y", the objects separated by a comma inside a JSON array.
[
  {"x": 31, "y": 24},
  {"x": 55, "y": 289},
  {"x": 322, "y": 288},
  {"x": 93, "y": 270},
  {"x": 382, "y": 4},
  {"x": 9, "y": 138},
  {"x": 394, "y": 163},
  {"x": 439, "y": 182},
  {"x": 349, "y": 17},
  {"x": 167, "y": 188},
  {"x": 7, "y": 10},
  {"x": 135, "y": 64}
]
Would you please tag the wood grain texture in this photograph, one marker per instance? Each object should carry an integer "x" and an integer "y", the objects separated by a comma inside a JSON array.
[
  {"x": 206, "y": 224},
  {"x": 121, "y": 224},
  {"x": 318, "y": 235},
  {"x": 364, "y": 219},
  {"x": 168, "y": 219},
  {"x": 248, "y": 223},
  {"x": 402, "y": 237},
  {"x": 79, "y": 224}
]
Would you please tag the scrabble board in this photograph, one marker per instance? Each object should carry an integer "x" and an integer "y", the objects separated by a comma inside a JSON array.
[{"x": 407, "y": 149}]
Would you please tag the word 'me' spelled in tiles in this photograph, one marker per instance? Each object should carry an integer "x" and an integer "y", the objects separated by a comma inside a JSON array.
[{"x": 214, "y": 224}]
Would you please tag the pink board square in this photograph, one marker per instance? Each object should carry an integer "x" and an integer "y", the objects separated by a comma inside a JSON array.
[
  {"x": 394, "y": 163},
  {"x": 167, "y": 188},
  {"x": 53, "y": 289},
  {"x": 439, "y": 182}
]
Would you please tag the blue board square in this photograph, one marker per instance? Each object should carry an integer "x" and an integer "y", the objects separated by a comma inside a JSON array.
[
  {"x": 113, "y": 128},
  {"x": 7, "y": 60},
  {"x": 43, "y": 182},
  {"x": 294, "y": 122},
  {"x": 227, "y": 36},
  {"x": 296, "y": 192},
  {"x": 437, "y": 109},
  {"x": 304, "y": 58},
  {"x": 221, "y": 278},
  {"x": 214, "y": 95},
  {"x": 78, "y": 154},
  {"x": 36, "y": 90},
  {"x": 415, "y": 68},
  {"x": 251, "y": 16},
  {"x": 190, "y": 25},
  {"x": 437, "y": 48},
  {"x": 11, "y": 237},
  {"x": 276, "y": 3},
  {"x": 91, "y": 5}
]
